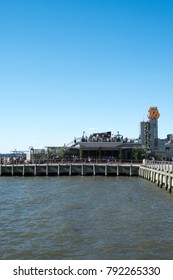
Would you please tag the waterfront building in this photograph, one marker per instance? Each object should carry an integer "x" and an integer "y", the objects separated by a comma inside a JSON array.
[{"x": 107, "y": 146}]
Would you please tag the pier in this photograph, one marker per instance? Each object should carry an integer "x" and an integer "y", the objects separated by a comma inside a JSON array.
[
  {"x": 70, "y": 169},
  {"x": 158, "y": 172}
]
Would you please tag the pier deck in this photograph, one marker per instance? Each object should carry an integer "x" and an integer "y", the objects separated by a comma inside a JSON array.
[
  {"x": 66, "y": 169},
  {"x": 158, "y": 172}
]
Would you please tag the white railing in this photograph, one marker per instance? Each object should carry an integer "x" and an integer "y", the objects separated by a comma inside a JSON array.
[{"x": 166, "y": 166}]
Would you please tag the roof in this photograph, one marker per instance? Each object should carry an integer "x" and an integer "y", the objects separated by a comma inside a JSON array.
[{"x": 107, "y": 145}]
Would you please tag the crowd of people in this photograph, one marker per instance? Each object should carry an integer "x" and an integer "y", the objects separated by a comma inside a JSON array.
[
  {"x": 105, "y": 137},
  {"x": 5, "y": 159}
]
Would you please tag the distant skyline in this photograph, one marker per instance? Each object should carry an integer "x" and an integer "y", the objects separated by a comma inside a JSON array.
[{"x": 83, "y": 65}]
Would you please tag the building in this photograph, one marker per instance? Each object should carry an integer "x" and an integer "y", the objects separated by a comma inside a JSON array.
[
  {"x": 165, "y": 147},
  {"x": 107, "y": 146},
  {"x": 149, "y": 136},
  {"x": 149, "y": 131}
]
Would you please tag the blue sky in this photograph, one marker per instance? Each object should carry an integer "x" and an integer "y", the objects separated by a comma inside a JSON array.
[{"x": 68, "y": 66}]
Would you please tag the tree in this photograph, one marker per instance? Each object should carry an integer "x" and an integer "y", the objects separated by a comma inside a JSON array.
[
  {"x": 136, "y": 153},
  {"x": 139, "y": 153},
  {"x": 144, "y": 151},
  {"x": 62, "y": 152}
]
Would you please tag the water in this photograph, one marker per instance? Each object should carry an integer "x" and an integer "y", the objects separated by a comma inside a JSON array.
[{"x": 84, "y": 218}]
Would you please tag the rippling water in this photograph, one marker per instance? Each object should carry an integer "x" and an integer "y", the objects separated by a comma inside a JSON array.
[{"x": 84, "y": 218}]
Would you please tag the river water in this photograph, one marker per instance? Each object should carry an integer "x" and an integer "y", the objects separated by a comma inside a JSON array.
[{"x": 84, "y": 218}]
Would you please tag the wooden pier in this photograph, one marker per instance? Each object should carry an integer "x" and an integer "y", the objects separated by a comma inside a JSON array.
[
  {"x": 160, "y": 173},
  {"x": 72, "y": 169}
]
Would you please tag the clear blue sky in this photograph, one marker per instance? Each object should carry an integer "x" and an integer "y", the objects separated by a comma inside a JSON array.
[{"x": 68, "y": 66}]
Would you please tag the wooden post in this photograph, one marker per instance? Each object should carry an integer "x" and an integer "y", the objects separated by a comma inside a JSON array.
[
  {"x": 161, "y": 180},
  {"x": 82, "y": 169},
  {"x": 106, "y": 169},
  {"x": 47, "y": 170},
  {"x": 35, "y": 170},
  {"x": 117, "y": 169},
  {"x": 94, "y": 169},
  {"x": 70, "y": 170},
  {"x": 169, "y": 183}
]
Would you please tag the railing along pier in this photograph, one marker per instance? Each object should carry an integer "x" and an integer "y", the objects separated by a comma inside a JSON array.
[{"x": 159, "y": 172}]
